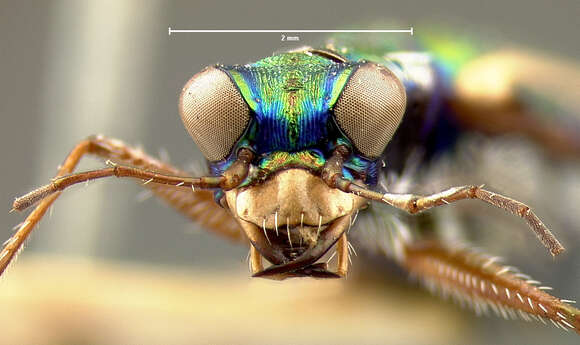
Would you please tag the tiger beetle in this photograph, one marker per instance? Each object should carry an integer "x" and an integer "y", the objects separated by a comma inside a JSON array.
[{"x": 296, "y": 144}]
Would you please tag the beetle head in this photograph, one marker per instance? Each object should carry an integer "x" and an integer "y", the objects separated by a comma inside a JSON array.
[{"x": 292, "y": 111}]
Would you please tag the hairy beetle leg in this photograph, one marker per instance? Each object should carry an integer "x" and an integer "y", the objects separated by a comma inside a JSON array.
[{"x": 478, "y": 281}]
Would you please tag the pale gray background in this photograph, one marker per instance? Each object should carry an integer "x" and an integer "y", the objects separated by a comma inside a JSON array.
[{"x": 70, "y": 68}]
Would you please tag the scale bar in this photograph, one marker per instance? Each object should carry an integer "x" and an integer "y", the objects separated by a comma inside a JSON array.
[{"x": 409, "y": 31}]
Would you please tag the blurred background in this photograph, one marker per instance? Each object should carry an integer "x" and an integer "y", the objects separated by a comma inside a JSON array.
[{"x": 108, "y": 269}]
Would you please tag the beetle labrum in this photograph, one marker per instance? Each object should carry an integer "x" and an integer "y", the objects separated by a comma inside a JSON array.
[{"x": 294, "y": 144}]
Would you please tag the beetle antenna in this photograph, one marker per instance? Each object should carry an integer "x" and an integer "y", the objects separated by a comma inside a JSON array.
[{"x": 412, "y": 204}]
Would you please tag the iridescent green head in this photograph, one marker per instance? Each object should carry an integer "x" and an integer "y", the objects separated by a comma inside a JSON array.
[
  {"x": 290, "y": 115},
  {"x": 296, "y": 102}
]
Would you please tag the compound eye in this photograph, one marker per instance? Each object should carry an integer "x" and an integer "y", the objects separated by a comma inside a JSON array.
[
  {"x": 213, "y": 112},
  {"x": 370, "y": 108}
]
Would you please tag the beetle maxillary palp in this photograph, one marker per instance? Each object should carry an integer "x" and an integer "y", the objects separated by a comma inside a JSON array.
[
  {"x": 255, "y": 260},
  {"x": 343, "y": 255}
]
